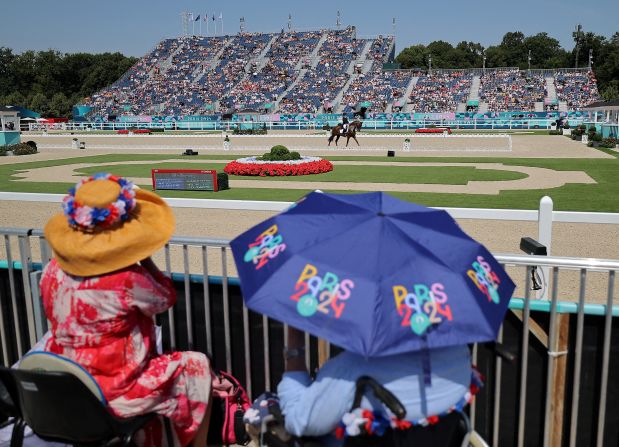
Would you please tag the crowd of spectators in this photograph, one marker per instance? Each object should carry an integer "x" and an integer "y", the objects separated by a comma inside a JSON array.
[
  {"x": 576, "y": 88},
  {"x": 202, "y": 75},
  {"x": 312, "y": 92},
  {"x": 376, "y": 87},
  {"x": 440, "y": 91},
  {"x": 264, "y": 87},
  {"x": 381, "y": 47},
  {"x": 511, "y": 90},
  {"x": 128, "y": 95}
]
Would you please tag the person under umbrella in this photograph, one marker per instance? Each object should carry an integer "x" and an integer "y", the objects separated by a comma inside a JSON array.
[{"x": 399, "y": 286}]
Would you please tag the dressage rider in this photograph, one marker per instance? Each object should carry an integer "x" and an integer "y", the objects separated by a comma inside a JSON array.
[{"x": 344, "y": 124}]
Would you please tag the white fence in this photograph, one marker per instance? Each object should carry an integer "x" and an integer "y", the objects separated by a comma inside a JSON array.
[{"x": 472, "y": 124}]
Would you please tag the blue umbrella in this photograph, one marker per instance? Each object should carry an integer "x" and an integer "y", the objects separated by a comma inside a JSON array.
[{"x": 372, "y": 274}]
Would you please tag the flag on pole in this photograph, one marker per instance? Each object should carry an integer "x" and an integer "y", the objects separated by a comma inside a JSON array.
[
  {"x": 197, "y": 18},
  {"x": 205, "y": 17},
  {"x": 214, "y": 18},
  {"x": 221, "y": 16}
]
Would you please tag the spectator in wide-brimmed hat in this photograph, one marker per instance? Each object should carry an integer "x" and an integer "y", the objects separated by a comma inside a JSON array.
[{"x": 101, "y": 292}]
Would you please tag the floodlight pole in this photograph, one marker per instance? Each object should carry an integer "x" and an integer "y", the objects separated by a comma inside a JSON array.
[
  {"x": 590, "y": 58},
  {"x": 578, "y": 32},
  {"x": 242, "y": 24},
  {"x": 289, "y": 22},
  {"x": 430, "y": 65},
  {"x": 529, "y": 59},
  {"x": 185, "y": 22},
  {"x": 338, "y": 21}
]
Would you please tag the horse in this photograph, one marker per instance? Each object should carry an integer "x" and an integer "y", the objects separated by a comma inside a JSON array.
[{"x": 353, "y": 128}]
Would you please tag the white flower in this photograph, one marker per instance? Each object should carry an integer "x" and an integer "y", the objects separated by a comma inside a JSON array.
[
  {"x": 120, "y": 206},
  {"x": 254, "y": 161},
  {"x": 252, "y": 416},
  {"x": 83, "y": 216}
]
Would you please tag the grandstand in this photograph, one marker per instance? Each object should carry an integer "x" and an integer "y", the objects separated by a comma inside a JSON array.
[{"x": 323, "y": 71}]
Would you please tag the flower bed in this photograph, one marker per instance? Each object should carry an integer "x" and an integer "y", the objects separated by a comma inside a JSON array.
[
  {"x": 252, "y": 166},
  {"x": 433, "y": 130}
]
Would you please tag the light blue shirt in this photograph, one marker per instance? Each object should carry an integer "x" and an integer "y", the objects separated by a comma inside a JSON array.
[{"x": 314, "y": 408}]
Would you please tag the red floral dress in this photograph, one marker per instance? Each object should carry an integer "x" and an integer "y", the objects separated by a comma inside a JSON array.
[{"x": 105, "y": 324}]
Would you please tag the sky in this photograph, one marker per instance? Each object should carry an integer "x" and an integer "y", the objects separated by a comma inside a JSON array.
[{"x": 134, "y": 27}]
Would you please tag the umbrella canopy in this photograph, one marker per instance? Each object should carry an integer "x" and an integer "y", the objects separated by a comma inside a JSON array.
[{"x": 372, "y": 274}]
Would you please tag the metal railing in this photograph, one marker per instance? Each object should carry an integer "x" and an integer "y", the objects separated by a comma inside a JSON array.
[
  {"x": 368, "y": 124},
  {"x": 210, "y": 316}
]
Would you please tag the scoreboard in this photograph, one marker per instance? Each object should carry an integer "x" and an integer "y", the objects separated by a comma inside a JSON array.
[{"x": 184, "y": 179}]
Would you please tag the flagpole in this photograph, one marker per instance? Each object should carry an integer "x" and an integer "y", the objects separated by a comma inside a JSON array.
[
  {"x": 193, "y": 25},
  {"x": 206, "y": 15},
  {"x": 221, "y": 17},
  {"x": 200, "y": 27}
]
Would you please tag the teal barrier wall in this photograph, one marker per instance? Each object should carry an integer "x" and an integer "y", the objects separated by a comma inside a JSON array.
[{"x": 8, "y": 138}]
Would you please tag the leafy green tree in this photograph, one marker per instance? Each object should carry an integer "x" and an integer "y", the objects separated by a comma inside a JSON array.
[
  {"x": 611, "y": 91},
  {"x": 415, "y": 56},
  {"x": 15, "y": 99},
  {"x": 59, "y": 106},
  {"x": 544, "y": 50},
  {"x": 514, "y": 49},
  {"x": 7, "y": 79},
  {"x": 39, "y": 103}
]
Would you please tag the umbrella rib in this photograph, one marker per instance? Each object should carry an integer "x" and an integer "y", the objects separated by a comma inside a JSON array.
[
  {"x": 462, "y": 235},
  {"x": 423, "y": 248}
]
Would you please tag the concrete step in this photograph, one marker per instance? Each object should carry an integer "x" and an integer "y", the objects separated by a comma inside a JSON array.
[
  {"x": 409, "y": 89},
  {"x": 474, "y": 93}
]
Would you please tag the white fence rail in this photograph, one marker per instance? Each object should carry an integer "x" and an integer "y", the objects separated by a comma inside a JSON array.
[{"x": 471, "y": 124}]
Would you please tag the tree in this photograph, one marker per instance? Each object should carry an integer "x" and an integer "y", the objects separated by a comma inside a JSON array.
[
  {"x": 470, "y": 54},
  {"x": 413, "y": 57},
  {"x": 545, "y": 50},
  {"x": 514, "y": 49},
  {"x": 14, "y": 99},
  {"x": 496, "y": 57},
  {"x": 442, "y": 54},
  {"x": 7, "y": 80},
  {"x": 611, "y": 91},
  {"x": 59, "y": 106},
  {"x": 39, "y": 104}
]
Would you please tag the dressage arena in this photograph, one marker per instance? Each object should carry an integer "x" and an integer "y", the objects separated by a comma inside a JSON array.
[{"x": 576, "y": 240}]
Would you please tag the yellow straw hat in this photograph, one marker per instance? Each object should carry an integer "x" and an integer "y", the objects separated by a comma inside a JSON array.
[{"x": 107, "y": 226}]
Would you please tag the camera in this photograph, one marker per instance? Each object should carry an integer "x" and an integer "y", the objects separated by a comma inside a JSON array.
[{"x": 531, "y": 247}]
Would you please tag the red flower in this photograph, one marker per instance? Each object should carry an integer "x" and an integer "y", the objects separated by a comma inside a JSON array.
[
  {"x": 278, "y": 169},
  {"x": 432, "y": 420}
]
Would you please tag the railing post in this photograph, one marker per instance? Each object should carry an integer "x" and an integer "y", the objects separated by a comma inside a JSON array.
[{"x": 544, "y": 228}]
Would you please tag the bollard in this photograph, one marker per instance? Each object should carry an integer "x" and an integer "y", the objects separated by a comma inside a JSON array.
[
  {"x": 407, "y": 145},
  {"x": 544, "y": 236}
]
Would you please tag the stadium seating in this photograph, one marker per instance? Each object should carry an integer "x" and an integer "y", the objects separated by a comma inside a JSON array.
[
  {"x": 440, "y": 91},
  {"x": 511, "y": 90},
  {"x": 315, "y": 71},
  {"x": 576, "y": 88}
]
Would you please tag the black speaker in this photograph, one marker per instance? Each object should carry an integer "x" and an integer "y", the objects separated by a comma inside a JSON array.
[{"x": 390, "y": 153}]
